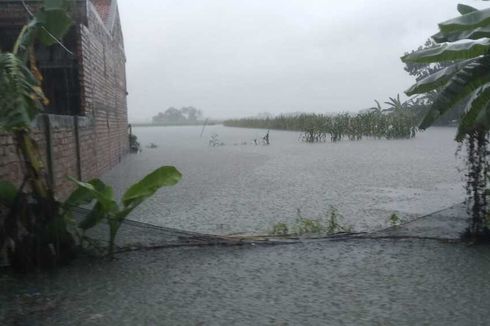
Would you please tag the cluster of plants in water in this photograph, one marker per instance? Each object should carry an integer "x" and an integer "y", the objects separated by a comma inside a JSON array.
[
  {"x": 328, "y": 225},
  {"x": 134, "y": 145},
  {"x": 398, "y": 121},
  {"x": 394, "y": 219},
  {"x": 215, "y": 141},
  {"x": 36, "y": 229}
]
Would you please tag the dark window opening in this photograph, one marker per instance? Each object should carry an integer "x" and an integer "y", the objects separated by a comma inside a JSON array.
[
  {"x": 61, "y": 87},
  {"x": 59, "y": 68}
]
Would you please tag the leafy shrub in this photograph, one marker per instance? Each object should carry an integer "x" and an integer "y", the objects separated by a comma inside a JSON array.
[
  {"x": 280, "y": 229},
  {"x": 308, "y": 226},
  {"x": 394, "y": 219}
]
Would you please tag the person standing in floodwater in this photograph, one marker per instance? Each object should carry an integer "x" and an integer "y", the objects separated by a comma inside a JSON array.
[{"x": 266, "y": 138}]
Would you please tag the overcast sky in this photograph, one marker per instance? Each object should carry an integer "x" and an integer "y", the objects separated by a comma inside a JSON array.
[{"x": 235, "y": 58}]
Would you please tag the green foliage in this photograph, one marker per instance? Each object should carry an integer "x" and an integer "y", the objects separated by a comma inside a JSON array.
[
  {"x": 48, "y": 26},
  {"x": 436, "y": 79},
  {"x": 394, "y": 219},
  {"x": 20, "y": 84},
  {"x": 38, "y": 228},
  {"x": 280, "y": 229},
  {"x": 182, "y": 116},
  {"x": 8, "y": 193},
  {"x": 20, "y": 93},
  {"x": 134, "y": 145},
  {"x": 163, "y": 177},
  {"x": 33, "y": 231},
  {"x": 307, "y": 226},
  {"x": 458, "y": 50},
  {"x": 465, "y": 9},
  {"x": 333, "y": 225},
  {"x": 54, "y": 22},
  {"x": 469, "y": 20},
  {"x": 106, "y": 209},
  {"x": 214, "y": 141},
  {"x": 464, "y": 41},
  {"x": 398, "y": 121}
]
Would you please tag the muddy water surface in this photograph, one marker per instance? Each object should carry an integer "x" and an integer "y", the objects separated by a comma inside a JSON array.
[
  {"x": 361, "y": 282},
  {"x": 240, "y": 187}
]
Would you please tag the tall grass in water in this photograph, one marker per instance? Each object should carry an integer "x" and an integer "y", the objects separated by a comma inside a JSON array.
[{"x": 316, "y": 128}]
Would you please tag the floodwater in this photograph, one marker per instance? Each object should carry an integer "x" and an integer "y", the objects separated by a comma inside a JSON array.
[
  {"x": 358, "y": 282},
  {"x": 245, "y": 188},
  {"x": 241, "y": 187}
]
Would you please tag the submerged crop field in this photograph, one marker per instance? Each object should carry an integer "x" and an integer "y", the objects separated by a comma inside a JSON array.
[
  {"x": 241, "y": 187},
  {"x": 397, "y": 124}
]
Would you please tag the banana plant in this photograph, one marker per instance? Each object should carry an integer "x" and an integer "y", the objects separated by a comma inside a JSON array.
[
  {"x": 465, "y": 41},
  {"x": 394, "y": 104},
  {"x": 104, "y": 206},
  {"x": 22, "y": 98},
  {"x": 377, "y": 109},
  {"x": 33, "y": 228}
]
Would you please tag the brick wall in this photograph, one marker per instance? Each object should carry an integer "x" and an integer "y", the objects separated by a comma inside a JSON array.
[
  {"x": 103, "y": 79},
  {"x": 88, "y": 145}
]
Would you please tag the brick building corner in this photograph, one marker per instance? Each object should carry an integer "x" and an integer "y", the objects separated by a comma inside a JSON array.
[{"x": 84, "y": 131}]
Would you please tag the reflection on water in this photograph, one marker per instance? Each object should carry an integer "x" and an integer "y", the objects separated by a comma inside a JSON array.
[{"x": 240, "y": 187}]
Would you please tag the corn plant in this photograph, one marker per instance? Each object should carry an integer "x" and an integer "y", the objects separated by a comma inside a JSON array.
[{"x": 397, "y": 122}]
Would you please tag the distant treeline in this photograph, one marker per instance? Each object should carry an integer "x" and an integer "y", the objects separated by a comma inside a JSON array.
[
  {"x": 377, "y": 123},
  {"x": 176, "y": 124},
  {"x": 187, "y": 115}
]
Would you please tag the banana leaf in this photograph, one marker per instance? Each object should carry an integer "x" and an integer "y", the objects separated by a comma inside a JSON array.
[
  {"x": 466, "y": 81},
  {"x": 437, "y": 79},
  {"x": 161, "y": 177},
  {"x": 472, "y": 34},
  {"x": 479, "y": 100},
  {"x": 57, "y": 4},
  {"x": 459, "y": 50},
  {"x": 83, "y": 196},
  {"x": 54, "y": 25},
  {"x": 99, "y": 191},
  {"x": 482, "y": 121},
  {"x": 468, "y": 21},
  {"x": 20, "y": 92},
  {"x": 96, "y": 215},
  {"x": 465, "y": 9}
]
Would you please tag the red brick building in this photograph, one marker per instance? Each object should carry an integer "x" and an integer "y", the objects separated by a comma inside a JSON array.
[{"x": 84, "y": 132}]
